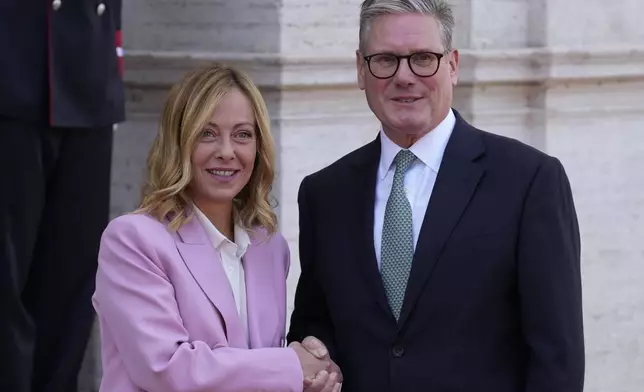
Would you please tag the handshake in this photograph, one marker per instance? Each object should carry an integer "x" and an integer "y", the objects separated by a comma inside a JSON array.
[{"x": 321, "y": 374}]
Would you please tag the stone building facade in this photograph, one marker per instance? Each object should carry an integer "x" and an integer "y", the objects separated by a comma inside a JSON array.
[{"x": 564, "y": 76}]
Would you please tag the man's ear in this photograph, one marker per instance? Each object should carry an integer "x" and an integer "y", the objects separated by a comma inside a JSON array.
[
  {"x": 361, "y": 68},
  {"x": 453, "y": 66}
]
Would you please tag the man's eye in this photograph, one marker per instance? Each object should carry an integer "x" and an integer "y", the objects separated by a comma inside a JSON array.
[
  {"x": 386, "y": 60},
  {"x": 424, "y": 58}
]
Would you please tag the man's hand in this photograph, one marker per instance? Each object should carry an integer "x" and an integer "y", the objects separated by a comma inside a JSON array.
[
  {"x": 311, "y": 365},
  {"x": 319, "y": 350}
]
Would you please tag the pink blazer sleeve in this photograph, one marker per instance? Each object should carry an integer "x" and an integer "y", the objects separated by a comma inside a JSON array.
[{"x": 139, "y": 310}]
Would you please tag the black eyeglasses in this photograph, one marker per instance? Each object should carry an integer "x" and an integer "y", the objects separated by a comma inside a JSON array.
[{"x": 385, "y": 65}]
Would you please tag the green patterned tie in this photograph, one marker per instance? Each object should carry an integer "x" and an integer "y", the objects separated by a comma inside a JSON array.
[{"x": 397, "y": 237}]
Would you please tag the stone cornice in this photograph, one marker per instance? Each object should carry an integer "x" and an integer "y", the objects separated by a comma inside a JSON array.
[
  {"x": 544, "y": 65},
  {"x": 477, "y": 67}
]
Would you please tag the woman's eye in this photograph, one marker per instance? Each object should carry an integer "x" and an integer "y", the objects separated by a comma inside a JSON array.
[
  {"x": 245, "y": 134},
  {"x": 207, "y": 133}
]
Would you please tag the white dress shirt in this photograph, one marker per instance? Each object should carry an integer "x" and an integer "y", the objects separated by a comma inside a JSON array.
[
  {"x": 231, "y": 254},
  {"x": 419, "y": 178}
]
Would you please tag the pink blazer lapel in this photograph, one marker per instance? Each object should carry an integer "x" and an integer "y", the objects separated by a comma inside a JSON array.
[
  {"x": 205, "y": 266},
  {"x": 262, "y": 302}
]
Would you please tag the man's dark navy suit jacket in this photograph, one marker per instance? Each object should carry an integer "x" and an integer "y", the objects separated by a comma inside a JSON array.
[{"x": 493, "y": 302}]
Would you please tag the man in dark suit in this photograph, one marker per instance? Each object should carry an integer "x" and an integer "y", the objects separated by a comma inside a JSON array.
[
  {"x": 61, "y": 91},
  {"x": 438, "y": 257}
]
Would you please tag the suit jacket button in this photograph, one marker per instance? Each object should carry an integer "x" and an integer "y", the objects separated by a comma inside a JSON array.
[
  {"x": 100, "y": 9},
  {"x": 398, "y": 351},
  {"x": 56, "y": 4}
]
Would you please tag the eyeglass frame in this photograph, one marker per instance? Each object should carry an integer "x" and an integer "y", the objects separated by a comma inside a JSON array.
[{"x": 439, "y": 57}]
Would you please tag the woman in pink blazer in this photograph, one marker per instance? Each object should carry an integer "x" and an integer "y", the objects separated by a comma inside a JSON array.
[{"x": 191, "y": 287}]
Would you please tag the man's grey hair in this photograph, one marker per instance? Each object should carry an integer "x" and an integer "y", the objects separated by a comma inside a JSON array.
[{"x": 439, "y": 9}]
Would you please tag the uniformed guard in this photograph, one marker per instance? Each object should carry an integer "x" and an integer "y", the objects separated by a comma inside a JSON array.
[{"x": 61, "y": 92}]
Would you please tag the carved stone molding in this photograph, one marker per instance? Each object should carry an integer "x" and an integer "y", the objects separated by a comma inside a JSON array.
[{"x": 272, "y": 71}]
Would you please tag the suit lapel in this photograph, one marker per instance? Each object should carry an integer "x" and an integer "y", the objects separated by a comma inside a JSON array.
[
  {"x": 458, "y": 177},
  {"x": 365, "y": 194},
  {"x": 204, "y": 264},
  {"x": 259, "y": 293}
]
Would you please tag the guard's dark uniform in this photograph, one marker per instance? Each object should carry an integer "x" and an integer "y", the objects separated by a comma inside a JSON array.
[{"x": 61, "y": 91}]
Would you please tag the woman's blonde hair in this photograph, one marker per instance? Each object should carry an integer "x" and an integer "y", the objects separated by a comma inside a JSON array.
[{"x": 188, "y": 108}]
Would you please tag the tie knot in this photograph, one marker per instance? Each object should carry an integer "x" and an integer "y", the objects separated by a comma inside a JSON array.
[{"x": 403, "y": 159}]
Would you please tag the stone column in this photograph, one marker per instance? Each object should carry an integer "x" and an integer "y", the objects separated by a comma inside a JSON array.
[{"x": 323, "y": 113}]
